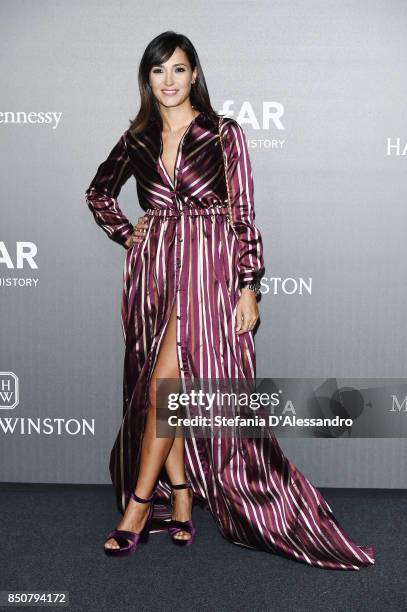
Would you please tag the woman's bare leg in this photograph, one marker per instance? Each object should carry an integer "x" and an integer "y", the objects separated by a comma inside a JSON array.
[
  {"x": 175, "y": 465},
  {"x": 175, "y": 468},
  {"x": 154, "y": 451}
]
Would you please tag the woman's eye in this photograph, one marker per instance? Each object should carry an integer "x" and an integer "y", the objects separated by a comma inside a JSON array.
[{"x": 157, "y": 70}]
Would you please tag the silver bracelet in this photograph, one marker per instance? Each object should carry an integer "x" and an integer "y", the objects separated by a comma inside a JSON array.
[{"x": 254, "y": 286}]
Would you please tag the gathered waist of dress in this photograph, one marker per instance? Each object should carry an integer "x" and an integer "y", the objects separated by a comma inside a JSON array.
[{"x": 191, "y": 212}]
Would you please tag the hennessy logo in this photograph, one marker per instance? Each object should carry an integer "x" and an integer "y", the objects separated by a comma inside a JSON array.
[
  {"x": 45, "y": 117},
  {"x": 8, "y": 390}
]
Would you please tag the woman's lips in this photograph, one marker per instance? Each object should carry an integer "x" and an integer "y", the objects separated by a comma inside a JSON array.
[{"x": 170, "y": 92}]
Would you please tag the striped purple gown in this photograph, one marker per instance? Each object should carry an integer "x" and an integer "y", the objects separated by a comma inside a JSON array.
[{"x": 193, "y": 259}]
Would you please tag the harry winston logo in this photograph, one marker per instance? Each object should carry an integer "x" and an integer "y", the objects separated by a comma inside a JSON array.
[
  {"x": 8, "y": 390},
  {"x": 14, "y": 425},
  {"x": 396, "y": 148}
]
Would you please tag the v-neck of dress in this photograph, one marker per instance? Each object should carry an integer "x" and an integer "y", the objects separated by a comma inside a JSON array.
[{"x": 173, "y": 181}]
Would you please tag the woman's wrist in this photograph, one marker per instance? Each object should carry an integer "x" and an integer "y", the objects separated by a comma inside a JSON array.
[{"x": 253, "y": 287}]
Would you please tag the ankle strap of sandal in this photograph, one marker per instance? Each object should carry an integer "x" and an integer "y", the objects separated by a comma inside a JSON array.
[
  {"x": 184, "y": 485},
  {"x": 141, "y": 500}
]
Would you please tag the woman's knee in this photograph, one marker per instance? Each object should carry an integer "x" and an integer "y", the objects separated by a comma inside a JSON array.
[{"x": 166, "y": 374}]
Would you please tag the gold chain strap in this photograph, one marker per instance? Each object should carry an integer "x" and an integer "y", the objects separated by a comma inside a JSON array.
[{"x": 230, "y": 215}]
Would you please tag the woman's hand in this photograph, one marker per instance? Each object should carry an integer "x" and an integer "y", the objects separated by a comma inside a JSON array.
[
  {"x": 247, "y": 311},
  {"x": 138, "y": 233}
]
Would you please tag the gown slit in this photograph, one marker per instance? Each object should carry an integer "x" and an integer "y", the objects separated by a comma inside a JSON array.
[{"x": 192, "y": 261}]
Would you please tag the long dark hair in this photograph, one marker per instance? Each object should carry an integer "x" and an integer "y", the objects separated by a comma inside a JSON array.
[{"x": 159, "y": 50}]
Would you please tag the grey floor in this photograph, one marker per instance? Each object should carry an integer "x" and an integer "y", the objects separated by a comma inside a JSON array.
[{"x": 52, "y": 539}]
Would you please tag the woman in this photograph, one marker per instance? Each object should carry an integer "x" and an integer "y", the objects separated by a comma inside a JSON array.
[{"x": 189, "y": 308}]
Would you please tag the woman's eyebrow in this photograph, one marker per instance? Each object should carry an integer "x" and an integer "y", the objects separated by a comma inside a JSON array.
[{"x": 179, "y": 64}]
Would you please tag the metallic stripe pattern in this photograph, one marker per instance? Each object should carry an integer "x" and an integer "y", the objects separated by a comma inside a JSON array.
[{"x": 191, "y": 258}]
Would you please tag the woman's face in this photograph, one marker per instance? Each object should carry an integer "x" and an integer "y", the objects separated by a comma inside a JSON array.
[{"x": 171, "y": 81}]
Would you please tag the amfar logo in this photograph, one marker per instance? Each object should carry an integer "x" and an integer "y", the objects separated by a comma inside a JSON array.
[
  {"x": 8, "y": 390},
  {"x": 9, "y": 398},
  {"x": 23, "y": 256},
  {"x": 31, "y": 117},
  {"x": 271, "y": 117}
]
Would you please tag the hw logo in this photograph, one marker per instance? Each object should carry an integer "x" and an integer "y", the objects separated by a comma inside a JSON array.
[{"x": 8, "y": 390}]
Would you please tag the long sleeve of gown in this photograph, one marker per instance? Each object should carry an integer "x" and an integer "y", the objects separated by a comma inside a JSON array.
[
  {"x": 241, "y": 189},
  {"x": 101, "y": 195}
]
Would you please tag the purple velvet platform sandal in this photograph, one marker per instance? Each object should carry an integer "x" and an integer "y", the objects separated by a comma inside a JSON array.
[
  {"x": 122, "y": 536},
  {"x": 175, "y": 527}
]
